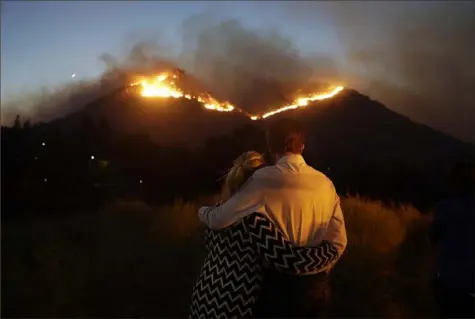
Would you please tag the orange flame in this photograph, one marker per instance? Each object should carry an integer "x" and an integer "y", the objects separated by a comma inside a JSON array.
[
  {"x": 303, "y": 101},
  {"x": 164, "y": 86}
]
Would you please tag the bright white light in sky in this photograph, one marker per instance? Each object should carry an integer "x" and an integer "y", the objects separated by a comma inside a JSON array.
[{"x": 73, "y": 75}]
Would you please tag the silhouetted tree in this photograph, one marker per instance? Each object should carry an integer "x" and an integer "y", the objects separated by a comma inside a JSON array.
[{"x": 17, "y": 124}]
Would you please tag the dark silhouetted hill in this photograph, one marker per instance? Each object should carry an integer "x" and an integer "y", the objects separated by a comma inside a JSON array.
[{"x": 156, "y": 150}]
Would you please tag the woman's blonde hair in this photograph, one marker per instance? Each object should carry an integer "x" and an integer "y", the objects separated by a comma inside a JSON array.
[{"x": 243, "y": 167}]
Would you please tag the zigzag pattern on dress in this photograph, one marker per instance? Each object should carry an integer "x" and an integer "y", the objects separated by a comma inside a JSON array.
[
  {"x": 275, "y": 249},
  {"x": 230, "y": 279}
]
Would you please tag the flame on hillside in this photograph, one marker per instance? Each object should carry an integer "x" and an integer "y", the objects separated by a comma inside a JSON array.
[
  {"x": 304, "y": 101},
  {"x": 164, "y": 85}
]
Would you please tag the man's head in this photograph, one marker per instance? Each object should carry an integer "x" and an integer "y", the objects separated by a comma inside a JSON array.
[{"x": 285, "y": 136}]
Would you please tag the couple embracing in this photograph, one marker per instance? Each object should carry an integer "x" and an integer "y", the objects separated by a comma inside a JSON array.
[{"x": 274, "y": 238}]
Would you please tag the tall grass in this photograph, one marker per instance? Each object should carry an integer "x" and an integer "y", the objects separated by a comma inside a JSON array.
[
  {"x": 386, "y": 269},
  {"x": 133, "y": 260}
]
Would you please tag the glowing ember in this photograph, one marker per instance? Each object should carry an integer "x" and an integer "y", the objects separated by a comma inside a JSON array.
[{"x": 164, "y": 86}]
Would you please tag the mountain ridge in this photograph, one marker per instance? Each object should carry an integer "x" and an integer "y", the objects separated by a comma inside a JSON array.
[{"x": 182, "y": 121}]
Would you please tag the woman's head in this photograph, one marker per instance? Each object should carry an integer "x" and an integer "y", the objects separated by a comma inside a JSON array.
[{"x": 243, "y": 167}]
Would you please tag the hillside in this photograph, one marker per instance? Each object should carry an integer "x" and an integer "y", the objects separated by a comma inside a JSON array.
[
  {"x": 351, "y": 125},
  {"x": 166, "y": 121},
  {"x": 347, "y": 125}
]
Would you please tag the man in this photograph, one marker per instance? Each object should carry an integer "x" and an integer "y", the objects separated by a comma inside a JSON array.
[
  {"x": 303, "y": 203},
  {"x": 453, "y": 233}
]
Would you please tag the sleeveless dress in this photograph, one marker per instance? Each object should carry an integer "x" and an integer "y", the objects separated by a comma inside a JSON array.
[{"x": 237, "y": 257}]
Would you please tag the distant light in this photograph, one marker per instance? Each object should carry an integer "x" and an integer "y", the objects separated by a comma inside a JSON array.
[
  {"x": 92, "y": 157},
  {"x": 45, "y": 180},
  {"x": 44, "y": 144},
  {"x": 73, "y": 75},
  {"x": 141, "y": 181},
  {"x": 36, "y": 157}
]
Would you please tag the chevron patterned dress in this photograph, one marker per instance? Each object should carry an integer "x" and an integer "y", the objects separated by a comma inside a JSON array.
[{"x": 231, "y": 277}]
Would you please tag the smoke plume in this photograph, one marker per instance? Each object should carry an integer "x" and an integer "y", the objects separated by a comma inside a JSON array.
[
  {"x": 416, "y": 57},
  {"x": 250, "y": 68}
]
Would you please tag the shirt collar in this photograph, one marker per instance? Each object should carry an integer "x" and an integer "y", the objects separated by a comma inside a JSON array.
[{"x": 291, "y": 158}]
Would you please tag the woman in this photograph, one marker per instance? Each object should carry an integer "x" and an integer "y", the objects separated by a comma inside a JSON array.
[{"x": 240, "y": 255}]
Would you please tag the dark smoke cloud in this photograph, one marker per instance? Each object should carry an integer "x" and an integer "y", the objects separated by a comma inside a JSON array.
[
  {"x": 417, "y": 57},
  {"x": 47, "y": 104},
  {"x": 251, "y": 68}
]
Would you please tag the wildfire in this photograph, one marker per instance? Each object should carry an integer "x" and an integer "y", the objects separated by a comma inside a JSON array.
[
  {"x": 165, "y": 85},
  {"x": 159, "y": 88},
  {"x": 303, "y": 101}
]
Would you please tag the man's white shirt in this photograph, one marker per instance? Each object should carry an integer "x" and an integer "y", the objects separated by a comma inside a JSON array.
[{"x": 301, "y": 201}]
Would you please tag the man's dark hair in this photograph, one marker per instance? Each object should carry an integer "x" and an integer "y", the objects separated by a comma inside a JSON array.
[{"x": 286, "y": 136}]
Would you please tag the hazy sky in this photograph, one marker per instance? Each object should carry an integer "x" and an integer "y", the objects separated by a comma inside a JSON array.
[{"x": 415, "y": 57}]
